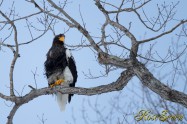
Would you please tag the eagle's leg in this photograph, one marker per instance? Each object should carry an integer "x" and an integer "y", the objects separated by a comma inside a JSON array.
[{"x": 58, "y": 82}]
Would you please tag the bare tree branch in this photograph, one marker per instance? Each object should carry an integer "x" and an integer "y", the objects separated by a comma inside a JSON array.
[
  {"x": 155, "y": 85},
  {"x": 16, "y": 55},
  {"x": 12, "y": 113},
  {"x": 78, "y": 26},
  {"x": 165, "y": 33},
  {"x": 127, "y": 9},
  {"x": 25, "y": 17},
  {"x": 134, "y": 48},
  {"x": 119, "y": 84}
]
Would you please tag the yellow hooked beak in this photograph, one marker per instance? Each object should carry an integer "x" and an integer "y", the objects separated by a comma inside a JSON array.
[{"x": 61, "y": 38}]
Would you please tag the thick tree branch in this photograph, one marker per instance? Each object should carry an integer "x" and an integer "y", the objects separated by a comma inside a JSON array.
[
  {"x": 107, "y": 59},
  {"x": 119, "y": 84},
  {"x": 156, "y": 86},
  {"x": 12, "y": 113},
  {"x": 8, "y": 98}
]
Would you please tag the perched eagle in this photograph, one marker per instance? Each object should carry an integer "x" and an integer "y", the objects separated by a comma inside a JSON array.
[{"x": 60, "y": 69}]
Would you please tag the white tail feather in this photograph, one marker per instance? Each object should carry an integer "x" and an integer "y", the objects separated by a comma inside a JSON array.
[{"x": 62, "y": 100}]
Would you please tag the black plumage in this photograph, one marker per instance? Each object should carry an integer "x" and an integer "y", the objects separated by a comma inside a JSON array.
[{"x": 56, "y": 60}]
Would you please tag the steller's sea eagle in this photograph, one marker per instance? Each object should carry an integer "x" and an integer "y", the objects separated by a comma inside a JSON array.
[{"x": 60, "y": 69}]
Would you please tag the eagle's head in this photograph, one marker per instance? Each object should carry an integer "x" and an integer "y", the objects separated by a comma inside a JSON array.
[{"x": 59, "y": 39}]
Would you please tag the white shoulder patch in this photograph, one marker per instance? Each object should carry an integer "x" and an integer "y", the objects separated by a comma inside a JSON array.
[{"x": 68, "y": 54}]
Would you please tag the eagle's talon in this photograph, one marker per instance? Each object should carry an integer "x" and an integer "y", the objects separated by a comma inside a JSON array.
[{"x": 57, "y": 83}]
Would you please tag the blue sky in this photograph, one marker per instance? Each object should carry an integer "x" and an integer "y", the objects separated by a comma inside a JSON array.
[{"x": 34, "y": 55}]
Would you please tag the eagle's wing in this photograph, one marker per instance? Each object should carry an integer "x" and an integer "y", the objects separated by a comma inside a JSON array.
[{"x": 73, "y": 69}]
